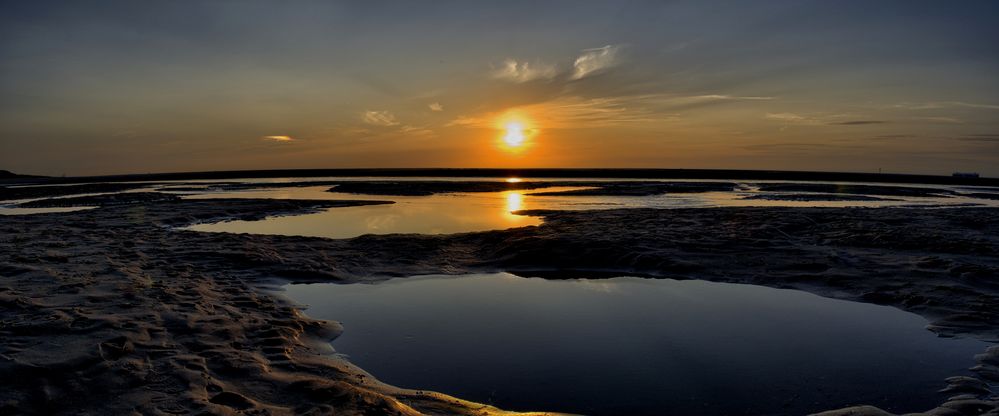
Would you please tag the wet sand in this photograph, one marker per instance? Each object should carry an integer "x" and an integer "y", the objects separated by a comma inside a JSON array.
[
  {"x": 816, "y": 197},
  {"x": 27, "y": 192},
  {"x": 124, "y": 198},
  {"x": 855, "y": 189},
  {"x": 112, "y": 311}
]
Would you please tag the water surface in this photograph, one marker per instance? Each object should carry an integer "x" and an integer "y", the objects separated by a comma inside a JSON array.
[
  {"x": 638, "y": 346},
  {"x": 435, "y": 214},
  {"x": 481, "y": 211},
  {"x": 7, "y": 210}
]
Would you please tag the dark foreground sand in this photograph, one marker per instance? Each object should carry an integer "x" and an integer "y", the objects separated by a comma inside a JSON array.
[{"x": 111, "y": 311}]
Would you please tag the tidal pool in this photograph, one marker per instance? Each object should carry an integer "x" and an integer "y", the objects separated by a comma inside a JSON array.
[
  {"x": 480, "y": 211},
  {"x": 637, "y": 346},
  {"x": 435, "y": 214}
]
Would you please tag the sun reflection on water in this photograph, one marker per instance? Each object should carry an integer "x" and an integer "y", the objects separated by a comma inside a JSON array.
[{"x": 514, "y": 202}]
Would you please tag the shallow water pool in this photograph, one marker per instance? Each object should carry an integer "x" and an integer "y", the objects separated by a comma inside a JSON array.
[
  {"x": 637, "y": 346},
  {"x": 480, "y": 211}
]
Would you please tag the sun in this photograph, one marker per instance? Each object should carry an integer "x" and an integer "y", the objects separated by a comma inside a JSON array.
[{"x": 514, "y": 134}]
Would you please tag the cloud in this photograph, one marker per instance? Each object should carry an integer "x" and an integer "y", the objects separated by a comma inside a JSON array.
[
  {"x": 519, "y": 72},
  {"x": 980, "y": 137},
  {"x": 436, "y": 107},
  {"x": 589, "y": 62},
  {"x": 379, "y": 118},
  {"x": 819, "y": 119},
  {"x": 895, "y": 136},
  {"x": 944, "y": 120},
  {"x": 944, "y": 104},
  {"x": 466, "y": 121},
  {"x": 857, "y": 122},
  {"x": 792, "y": 118},
  {"x": 578, "y": 112},
  {"x": 595, "y": 60},
  {"x": 787, "y": 117},
  {"x": 727, "y": 97},
  {"x": 788, "y": 146},
  {"x": 278, "y": 138},
  {"x": 416, "y": 131},
  {"x": 575, "y": 112},
  {"x": 699, "y": 101}
]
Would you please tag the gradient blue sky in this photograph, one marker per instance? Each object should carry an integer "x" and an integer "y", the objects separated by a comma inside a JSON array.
[{"x": 102, "y": 87}]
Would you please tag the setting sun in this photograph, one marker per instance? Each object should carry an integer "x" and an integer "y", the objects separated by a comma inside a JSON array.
[
  {"x": 514, "y": 134},
  {"x": 517, "y": 131}
]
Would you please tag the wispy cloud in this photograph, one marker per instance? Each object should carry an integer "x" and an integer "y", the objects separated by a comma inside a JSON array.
[
  {"x": 688, "y": 102},
  {"x": 790, "y": 118},
  {"x": 980, "y": 137},
  {"x": 379, "y": 118},
  {"x": 857, "y": 122},
  {"x": 893, "y": 136},
  {"x": 279, "y": 138},
  {"x": 799, "y": 146},
  {"x": 436, "y": 107},
  {"x": 467, "y": 121},
  {"x": 595, "y": 60},
  {"x": 944, "y": 120},
  {"x": 944, "y": 104},
  {"x": 517, "y": 71},
  {"x": 416, "y": 131},
  {"x": 576, "y": 112},
  {"x": 710, "y": 97},
  {"x": 820, "y": 119}
]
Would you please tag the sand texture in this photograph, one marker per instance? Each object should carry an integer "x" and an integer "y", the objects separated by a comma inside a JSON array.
[{"x": 113, "y": 311}]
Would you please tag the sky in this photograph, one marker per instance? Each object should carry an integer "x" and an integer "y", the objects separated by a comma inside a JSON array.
[{"x": 108, "y": 87}]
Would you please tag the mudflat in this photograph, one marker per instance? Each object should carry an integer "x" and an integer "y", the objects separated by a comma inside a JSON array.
[{"x": 114, "y": 311}]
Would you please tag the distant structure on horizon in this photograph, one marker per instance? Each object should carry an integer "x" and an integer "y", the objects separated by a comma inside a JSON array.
[{"x": 965, "y": 174}]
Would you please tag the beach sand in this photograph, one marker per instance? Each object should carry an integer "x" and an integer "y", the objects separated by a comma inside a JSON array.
[{"x": 113, "y": 311}]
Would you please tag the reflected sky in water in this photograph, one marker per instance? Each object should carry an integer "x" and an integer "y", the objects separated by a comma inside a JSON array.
[
  {"x": 435, "y": 214},
  {"x": 452, "y": 213},
  {"x": 637, "y": 346},
  {"x": 480, "y": 211},
  {"x": 27, "y": 211}
]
